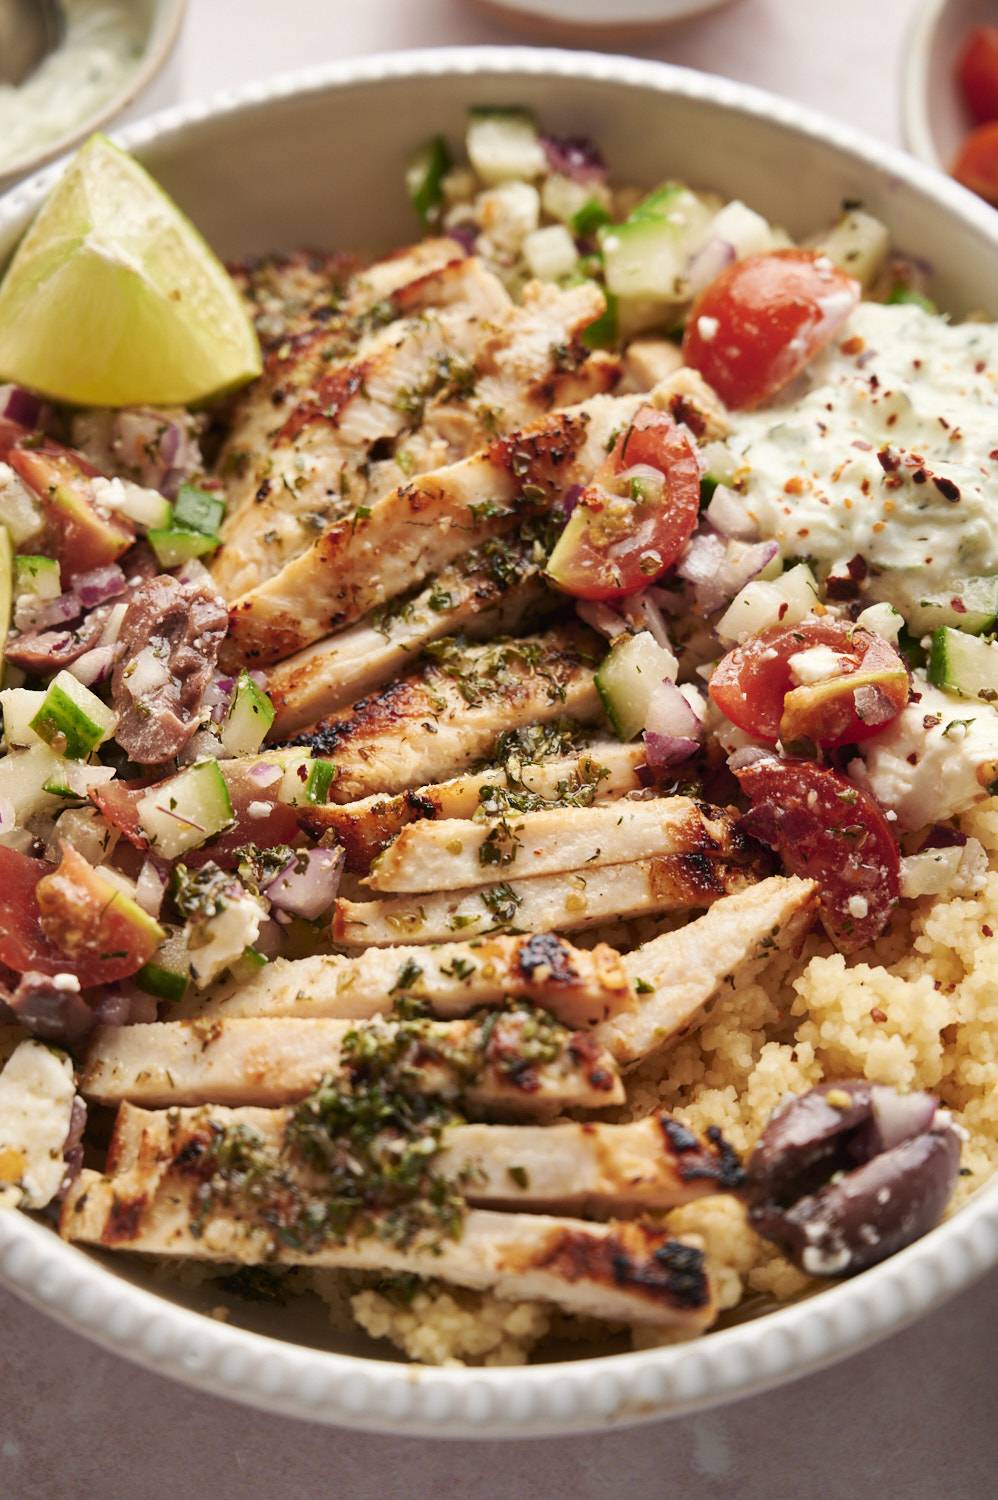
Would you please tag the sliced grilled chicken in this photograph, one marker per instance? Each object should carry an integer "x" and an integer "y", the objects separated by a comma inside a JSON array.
[
  {"x": 562, "y": 903},
  {"x": 358, "y": 564},
  {"x": 492, "y": 1065},
  {"x": 621, "y": 1271},
  {"x": 317, "y": 462},
  {"x": 679, "y": 975},
  {"x": 489, "y": 591},
  {"x": 579, "y": 986},
  {"x": 602, "y": 771},
  {"x": 447, "y": 715},
  {"x": 454, "y": 854},
  {"x": 589, "y": 1169},
  {"x": 289, "y": 294}
]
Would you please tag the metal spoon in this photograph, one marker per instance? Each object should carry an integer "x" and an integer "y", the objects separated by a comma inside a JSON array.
[{"x": 29, "y": 31}]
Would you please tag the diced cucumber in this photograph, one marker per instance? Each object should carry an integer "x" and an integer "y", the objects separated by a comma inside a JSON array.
[
  {"x": 147, "y": 508},
  {"x": 39, "y": 576},
  {"x": 748, "y": 232},
  {"x": 971, "y": 606},
  {"x": 645, "y": 258},
  {"x": 563, "y": 198},
  {"x": 6, "y": 586},
  {"x": 20, "y": 511},
  {"x": 183, "y": 812},
  {"x": 964, "y": 664},
  {"x": 247, "y": 966},
  {"x": 320, "y": 779},
  {"x": 901, "y": 294},
  {"x": 73, "y": 779},
  {"x": 198, "y": 510},
  {"x": 20, "y": 705},
  {"x": 628, "y": 675},
  {"x": 780, "y": 601},
  {"x": 602, "y": 333},
  {"x": 165, "y": 984},
  {"x": 424, "y": 178},
  {"x": 591, "y": 217},
  {"x": 178, "y": 545},
  {"x": 858, "y": 244},
  {"x": 550, "y": 253},
  {"x": 72, "y": 719},
  {"x": 503, "y": 145},
  {"x": 249, "y": 718},
  {"x": 23, "y": 775}
]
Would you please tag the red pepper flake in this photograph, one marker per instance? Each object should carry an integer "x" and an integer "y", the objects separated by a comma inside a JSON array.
[
  {"x": 878, "y": 1015},
  {"x": 855, "y": 345},
  {"x": 986, "y": 930},
  {"x": 946, "y": 487},
  {"x": 794, "y": 486}
]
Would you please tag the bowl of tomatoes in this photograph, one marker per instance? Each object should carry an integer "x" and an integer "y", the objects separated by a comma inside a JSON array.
[{"x": 950, "y": 91}]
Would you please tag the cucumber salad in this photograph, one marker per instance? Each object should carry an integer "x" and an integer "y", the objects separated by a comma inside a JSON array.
[{"x": 500, "y": 744}]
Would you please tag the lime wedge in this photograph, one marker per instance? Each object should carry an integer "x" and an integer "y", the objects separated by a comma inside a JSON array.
[{"x": 114, "y": 299}]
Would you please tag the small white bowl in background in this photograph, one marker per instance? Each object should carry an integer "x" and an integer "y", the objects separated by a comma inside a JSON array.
[
  {"x": 317, "y": 157},
  {"x": 933, "y": 115},
  {"x": 159, "y": 23}
]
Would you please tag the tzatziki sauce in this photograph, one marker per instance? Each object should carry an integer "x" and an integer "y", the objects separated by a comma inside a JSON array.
[
  {"x": 101, "y": 46},
  {"x": 887, "y": 451}
]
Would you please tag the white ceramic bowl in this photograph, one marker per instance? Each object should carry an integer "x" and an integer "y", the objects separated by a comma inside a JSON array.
[
  {"x": 317, "y": 158},
  {"x": 159, "y": 29},
  {"x": 933, "y": 114}
]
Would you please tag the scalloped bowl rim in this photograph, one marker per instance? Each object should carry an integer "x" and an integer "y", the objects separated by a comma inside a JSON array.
[{"x": 538, "y": 1400}]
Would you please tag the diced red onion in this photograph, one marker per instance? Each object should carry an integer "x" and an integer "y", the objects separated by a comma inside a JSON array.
[
  {"x": 258, "y": 679},
  {"x": 7, "y": 815},
  {"x": 703, "y": 558},
  {"x": 727, "y": 514},
  {"x": 673, "y": 730},
  {"x": 465, "y": 235},
  {"x": 708, "y": 263},
  {"x": 32, "y": 613},
  {"x": 747, "y": 755},
  {"x": 156, "y": 448},
  {"x": 19, "y": 405},
  {"x": 577, "y": 157},
  {"x": 72, "y": 1150},
  {"x": 217, "y": 696},
  {"x": 873, "y": 705},
  {"x": 194, "y": 571},
  {"x": 719, "y": 568},
  {"x": 113, "y": 1008},
  {"x": 898, "y": 1117},
  {"x": 202, "y": 746},
  {"x": 150, "y": 888},
  {"x": 570, "y": 499},
  {"x": 93, "y": 665},
  {"x": 99, "y": 585},
  {"x": 601, "y": 617},
  {"x": 264, "y": 774},
  {"x": 645, "y": 613},
  {"x": 310, "y": 891}
]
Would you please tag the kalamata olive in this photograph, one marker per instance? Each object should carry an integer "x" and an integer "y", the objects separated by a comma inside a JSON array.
[{"x": 847, "y": 1174}]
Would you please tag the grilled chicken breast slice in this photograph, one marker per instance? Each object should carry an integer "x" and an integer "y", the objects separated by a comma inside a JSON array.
[
  {"x": 454, "y": 854},
  {"x": 624, "y": 1272},
  {"x": 679, "y": 975},
  {"x": 564, "y": 903},
  {"x": 489, "y": 591},
  {"x": 487, "y": 1064},
  {"x": 603, "y": 771},
  {"x": 446, "y": 716},
  {"x": 356, "y": 565},
  {"x": 592, "y": 1169},
  {"x": 579, "y": 986}
]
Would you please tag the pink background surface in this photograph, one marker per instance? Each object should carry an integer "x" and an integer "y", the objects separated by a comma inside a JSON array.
[{"x": 916, "y": 1417}]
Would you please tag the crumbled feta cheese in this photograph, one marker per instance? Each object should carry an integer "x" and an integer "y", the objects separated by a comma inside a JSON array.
[
  {"x": 934, "y": 761},
  {"x": 883, "y": 620},
  {"x": 508, "y": 214},
  {"x": 957, "y": 870},
  {"x": 858, "y": 907},
  {"x": 37, "y": 1089},
  {"x": 218, "y": 941},
  {"x": 259, "y": 809},
  {"x": 816, "y": 664},
  {"x": 707, "y": 328}
]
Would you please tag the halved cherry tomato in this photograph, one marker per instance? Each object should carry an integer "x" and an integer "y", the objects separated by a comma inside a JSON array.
[
  {"x": 828, "y": 830},
  {"x": 66, "y": 920},
  {"x": 976, "y": 165},
  {"x": 626, "y": 529},
  {"x": 756, "y": 326},
  {"x": 81, "y": 536},
  {"x": 118, "y": 801},
  {"x": 977, "y": 73},
  {"x": 754, "y": 688}
]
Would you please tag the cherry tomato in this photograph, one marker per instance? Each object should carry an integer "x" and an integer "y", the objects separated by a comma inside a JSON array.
[
  {"x": 61, "y": 921},
  {"x": 977, "y": 73},
  {"x": 976, "y": 165},
  {"x": 754, "y": 688},
  {"x": 828, "y": 830},
  {"x": 763, "y": 319},
  {"x": 628, "y": 526},
  {"x": 80, "y": 536}
]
